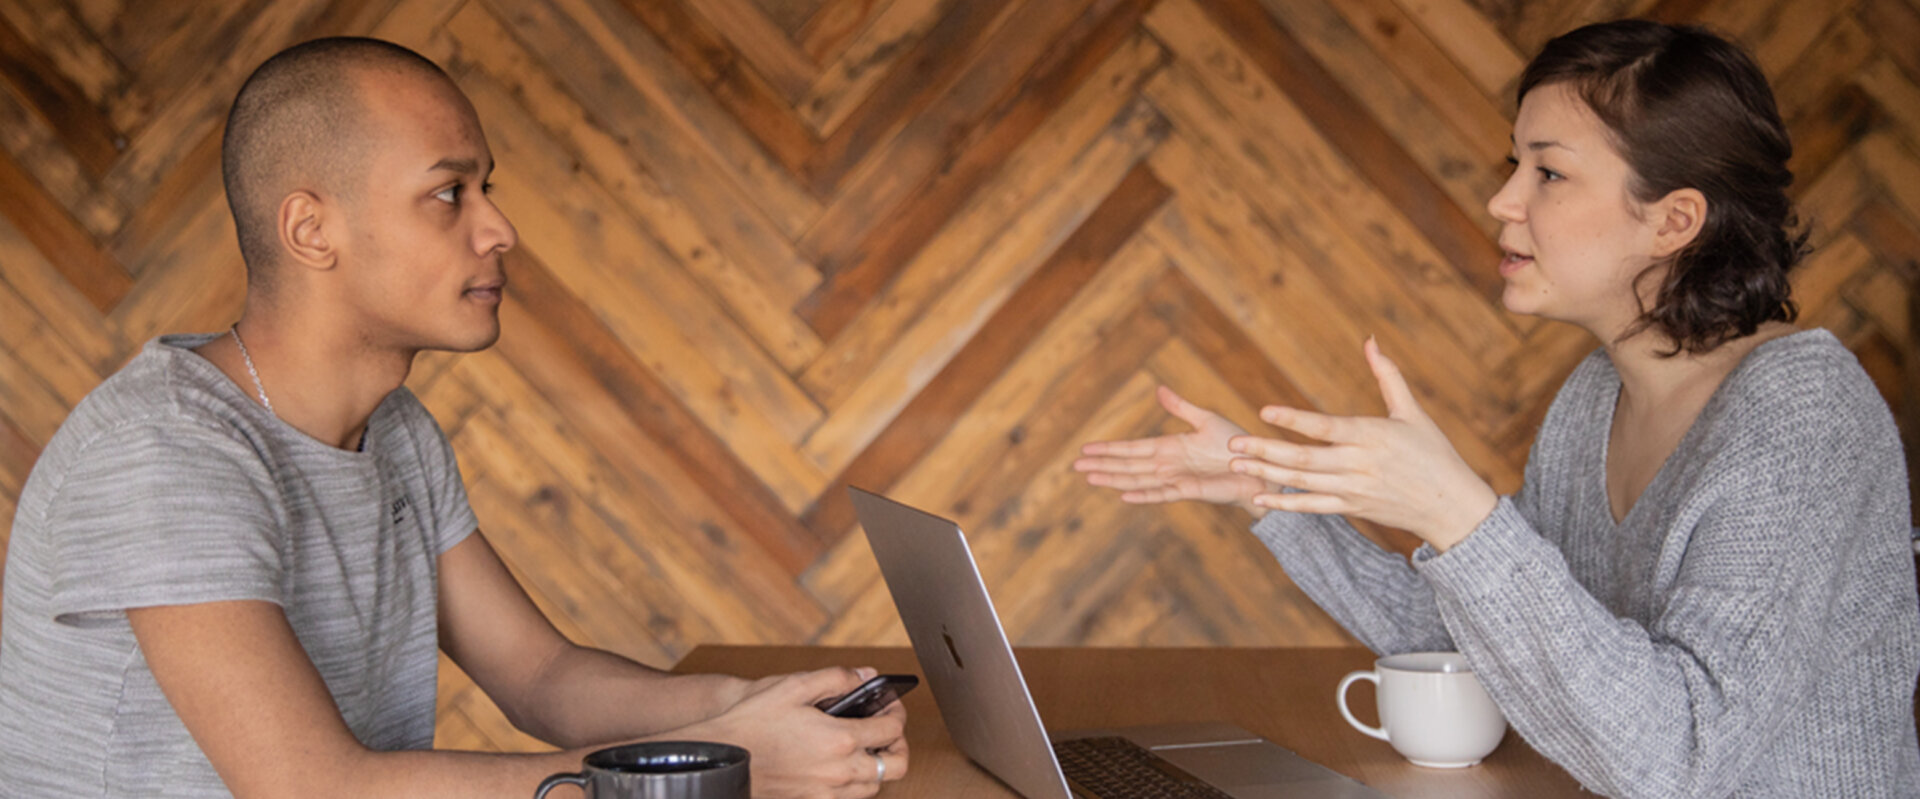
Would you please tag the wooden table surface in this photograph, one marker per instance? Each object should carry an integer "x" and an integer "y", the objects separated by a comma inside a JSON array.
[{"x": 1283, "y": 694}]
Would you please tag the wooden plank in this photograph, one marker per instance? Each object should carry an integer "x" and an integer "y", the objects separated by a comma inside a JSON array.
[
  {"x": 1020, "y": 180},
  {"x": 831, "y": 28},
  {"x": 1818, "y": 282},
  {"x": 749, "y": 302},
  {"x": 908, "y": 352},
  {"x": 704, "y": 52},
  {"x": 17, "y": 456},
  {"x": 1892, "y": 163},
  {"x": 865, "y": 60},
  {"x": 1026, "y": 419},
  {"x": 895, "y": 165},
  {"x": 1881, "y": 296},
  {"x": 1828, "y": 130},
  {"x": 1216, "y": 340},
  {"x": 193, "y": 279},
  {"x": 1831, "y": 198},
  {"x": 25, "y": 334},
  {"x": 936, "y": 61},
  {"x": 762, "y": 43},
  {"x": 1893, "y": 238},
  {"x": 199, "y": 107},
  {"x": 38, "y": 149},
  {"x": 933, "y": 481},
  {"x": 1774, "y": 32},
  {"x": 611, "y": 597},
  {"x": 1088, "y": 556},
  {"x": 1016, "y": 324},
  {"x": 64, "y": 104},
  {"x": 1471, "y": 40},
  {"x": 686, "y": 545},
  {"x": 847, "y": 580},
  {"x": 62, "y": 241},
  {"x": 31, "y": 405},
  {"x": 1895, "y": 24},
  {"x": 1320, "y": 240},
  {"x": 1842, "y": 49},
  {"x": 751, "y": 406},
  {"x": 1219, "y": 244},
  {"x": 860, "y": 255},
  {"x": 1224, "y": 250},
  {"x": 193, "y": 183},
  {"x": 28, "y": 274},
  {"x": 1374, "y": 156},
  {"x": 632, "y": 91},
  {"x": 712, "y": 134},
  {"x": 1897, "y": 95},
  {"x": 1427, "y": 105},
  {"x": 558, "y": 343},
  {"x": 661, "y": 312},
  {"x": 789, "y": 15},
  {"x": 1027, "y": 427}
]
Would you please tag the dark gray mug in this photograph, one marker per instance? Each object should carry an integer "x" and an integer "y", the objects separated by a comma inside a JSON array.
[{"x": 660, "y": 770}]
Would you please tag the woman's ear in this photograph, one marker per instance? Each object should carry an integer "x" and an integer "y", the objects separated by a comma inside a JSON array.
[
  {"x": 303, "y": 231},
  {"x": 1681, "y": 215}
]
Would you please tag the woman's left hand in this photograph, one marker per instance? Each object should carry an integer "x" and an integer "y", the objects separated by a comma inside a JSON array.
[{"x": 1399, "y": 470}]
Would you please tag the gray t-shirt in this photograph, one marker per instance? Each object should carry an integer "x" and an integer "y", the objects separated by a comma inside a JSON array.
[
  {"x": 167, "y": 485},
  {"x": 1749, "y": 629}
]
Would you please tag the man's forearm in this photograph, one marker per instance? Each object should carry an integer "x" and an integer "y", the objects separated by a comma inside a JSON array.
[{"x": 588, "y": 697}]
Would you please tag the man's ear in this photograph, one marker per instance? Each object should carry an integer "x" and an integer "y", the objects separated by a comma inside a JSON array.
[
  {"x": 1682, "y": 214},
  {"x": 303, "y": 227}
]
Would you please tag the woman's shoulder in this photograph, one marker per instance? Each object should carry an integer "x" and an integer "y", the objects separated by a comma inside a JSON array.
[{"x": 1805, "y": 385}]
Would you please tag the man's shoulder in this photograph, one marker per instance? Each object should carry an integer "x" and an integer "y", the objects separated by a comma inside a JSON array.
[{"x": 165, "y": 394}]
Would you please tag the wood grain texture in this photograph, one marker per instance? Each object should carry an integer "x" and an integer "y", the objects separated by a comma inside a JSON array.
[{"x": 772, "y": 248}]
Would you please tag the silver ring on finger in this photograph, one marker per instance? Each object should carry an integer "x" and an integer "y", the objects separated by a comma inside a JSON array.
[{"x": 879, "y": 768}]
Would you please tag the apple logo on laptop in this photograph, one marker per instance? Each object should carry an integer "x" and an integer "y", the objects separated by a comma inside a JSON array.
[{"x": 951, "y": 651}]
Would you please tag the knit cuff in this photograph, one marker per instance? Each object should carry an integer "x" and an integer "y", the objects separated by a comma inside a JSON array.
[{"x": 1489, "y": 559}]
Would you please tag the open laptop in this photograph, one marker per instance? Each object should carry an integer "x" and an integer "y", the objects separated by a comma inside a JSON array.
[{"x": 976, "y": 682}]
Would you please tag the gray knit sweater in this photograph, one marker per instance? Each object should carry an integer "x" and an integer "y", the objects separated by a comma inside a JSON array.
[{"x": 1751, "y": 628}]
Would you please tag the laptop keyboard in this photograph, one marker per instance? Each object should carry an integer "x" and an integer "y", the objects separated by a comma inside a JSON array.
[{"x": 1116, "y": 768}]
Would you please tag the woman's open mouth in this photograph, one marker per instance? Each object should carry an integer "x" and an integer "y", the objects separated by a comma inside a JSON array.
[{"x": 1514, "y": 262}]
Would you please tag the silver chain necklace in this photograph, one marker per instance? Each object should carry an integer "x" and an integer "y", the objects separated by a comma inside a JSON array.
[{"x": 251, "y": 372}]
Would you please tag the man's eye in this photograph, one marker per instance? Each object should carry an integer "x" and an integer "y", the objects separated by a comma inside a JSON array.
[{"x": 449, "y": 195}]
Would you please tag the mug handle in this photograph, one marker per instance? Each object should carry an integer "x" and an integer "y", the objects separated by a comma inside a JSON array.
[
  {"x": 1341, "y": 694},
  {"x": 558, "y": 780}
]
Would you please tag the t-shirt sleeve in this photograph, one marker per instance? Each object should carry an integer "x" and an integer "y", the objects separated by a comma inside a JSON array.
[{"x": 163, "y": 513}]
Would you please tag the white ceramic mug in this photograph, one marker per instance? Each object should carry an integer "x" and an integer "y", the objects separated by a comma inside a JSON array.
[{"x": 1432, "y": 710}]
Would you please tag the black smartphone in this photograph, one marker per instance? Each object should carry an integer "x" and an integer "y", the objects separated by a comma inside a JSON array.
[{"x": 871, "y": 697}]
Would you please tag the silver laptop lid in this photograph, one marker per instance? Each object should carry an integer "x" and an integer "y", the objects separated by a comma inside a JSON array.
[{"x": 962, "y": 648}]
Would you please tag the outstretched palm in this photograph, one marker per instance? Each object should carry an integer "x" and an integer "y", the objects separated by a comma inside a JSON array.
[{"x": 1192, "y": 465}]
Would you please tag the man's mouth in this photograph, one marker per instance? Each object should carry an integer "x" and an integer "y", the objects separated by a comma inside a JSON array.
[{"x": 488, "y": 292}]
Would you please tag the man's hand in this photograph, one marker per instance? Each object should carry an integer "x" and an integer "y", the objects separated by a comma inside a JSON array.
[
  {"x": 1192, "y": 465},
  {"x": 800, "y": 752}
]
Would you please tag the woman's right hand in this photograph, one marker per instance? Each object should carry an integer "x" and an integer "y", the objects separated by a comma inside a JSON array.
[{"x": 1191, "y": 465}]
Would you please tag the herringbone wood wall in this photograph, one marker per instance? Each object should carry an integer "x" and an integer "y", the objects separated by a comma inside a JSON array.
[{"x": 773, "y": 247}]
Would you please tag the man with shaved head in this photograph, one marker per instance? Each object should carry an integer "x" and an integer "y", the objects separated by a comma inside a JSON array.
[{"x": 233, "y": 567}]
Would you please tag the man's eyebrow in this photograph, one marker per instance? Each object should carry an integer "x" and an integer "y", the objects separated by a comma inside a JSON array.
[{"x": 464, "y": 166}]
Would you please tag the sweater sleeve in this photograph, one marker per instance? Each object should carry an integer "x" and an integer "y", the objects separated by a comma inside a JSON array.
[
  {"x": 1680, "y": 706},
  {"x": 1371, "y": 592}
]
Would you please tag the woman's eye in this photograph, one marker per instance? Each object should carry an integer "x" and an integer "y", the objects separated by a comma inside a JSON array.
[{"x": 1549, "y": 176}]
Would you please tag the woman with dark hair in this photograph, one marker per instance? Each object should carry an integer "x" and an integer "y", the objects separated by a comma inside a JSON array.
[{"x": 1703, "y": 587}]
